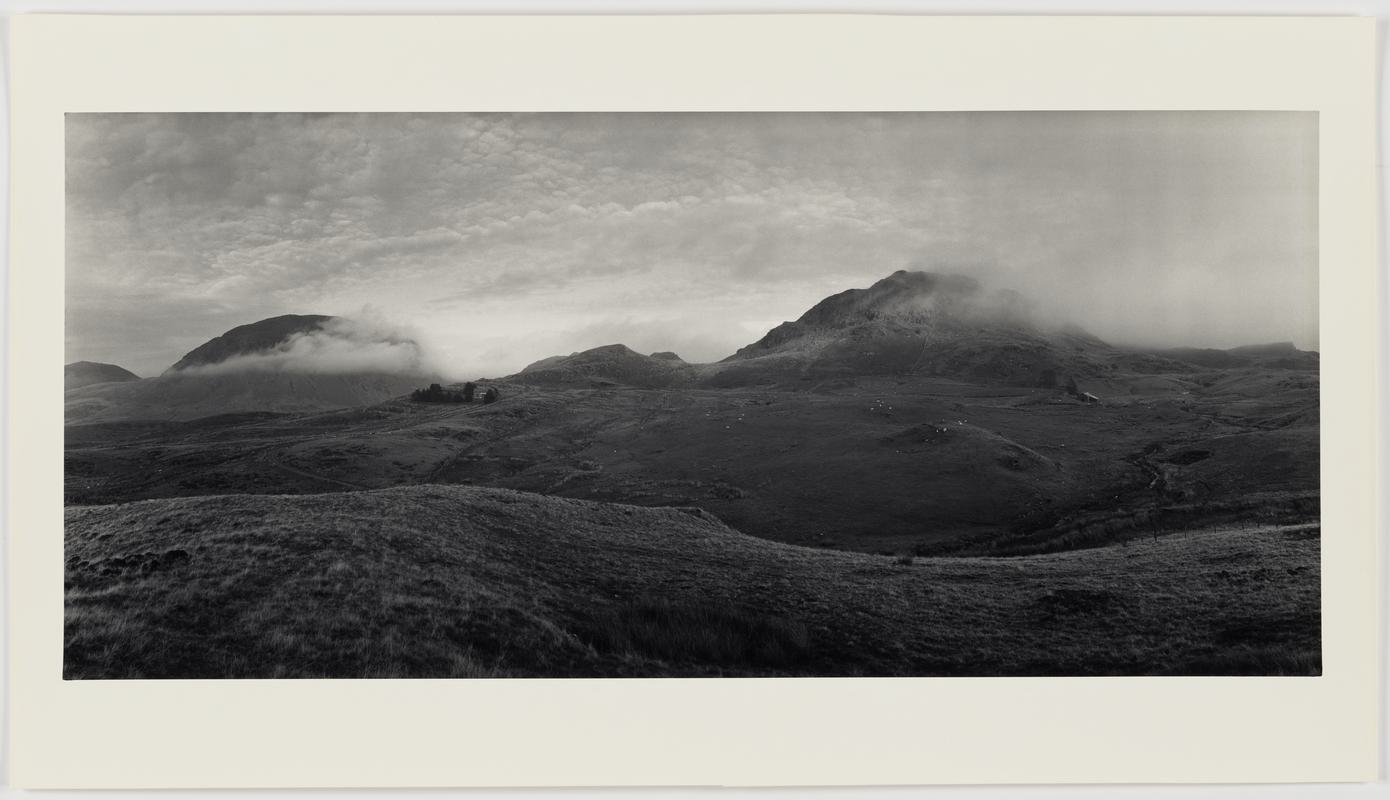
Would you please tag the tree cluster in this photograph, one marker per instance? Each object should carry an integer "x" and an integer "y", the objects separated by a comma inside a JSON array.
[{"x": 438, "y": 394}]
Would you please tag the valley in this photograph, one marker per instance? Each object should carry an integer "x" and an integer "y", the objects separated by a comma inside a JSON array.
[
  {"x": 887, "y": 465},
  {"x": 911, "y": 479}
]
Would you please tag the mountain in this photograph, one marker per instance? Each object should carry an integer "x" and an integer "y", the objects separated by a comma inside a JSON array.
[
  {"x": 252, "y": 338},
  {"x": 919, "y": 323},
  {"x": 86, "y": 373},
  {"x": 288, "y": 364},
  {"x": 705, "y": 519},
  {"x": 613, "y": 364}
]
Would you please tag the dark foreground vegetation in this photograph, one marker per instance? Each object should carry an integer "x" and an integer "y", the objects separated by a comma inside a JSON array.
[{"x": 435, "y": 581}]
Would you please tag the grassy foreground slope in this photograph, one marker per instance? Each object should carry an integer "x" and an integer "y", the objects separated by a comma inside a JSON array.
[{"x": 449, "y": 581}]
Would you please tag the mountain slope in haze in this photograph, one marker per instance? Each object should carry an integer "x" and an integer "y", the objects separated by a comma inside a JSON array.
[
  {"x": 86, "y": 373},
  {"x": 288, "y": 364},
  {"x": 251, "y": 338},
  {"x": 908, "y": 323},
  {"x": 1276, "y": 355},
  {"x": 918, "y": 323},
  {"x": 449, "y": 581},
  {"x": 609, "y": 365}
]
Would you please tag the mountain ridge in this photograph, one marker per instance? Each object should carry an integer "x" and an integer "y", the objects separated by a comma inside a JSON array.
[{"x": 911, "y": 323}]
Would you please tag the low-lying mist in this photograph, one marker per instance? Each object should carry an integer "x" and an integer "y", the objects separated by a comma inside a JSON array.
[
  {"x": 1165, "y": 308},
  {"x": 472, "y": 344},
  {"x": 364, "y": 343}
]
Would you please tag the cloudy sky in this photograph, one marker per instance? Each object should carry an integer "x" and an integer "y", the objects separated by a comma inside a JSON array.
[{"x": 502, "y": 239}]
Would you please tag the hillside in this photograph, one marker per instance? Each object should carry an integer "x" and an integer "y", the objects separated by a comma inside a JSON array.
[
  {"x": 907, "y": 461},
  {"x": 292, "y": 363},
  {"x": 86, "y": 373},
  {"x": 435, "y": 581},
  {"x": 179, "y": 396},
  {"x": 610, "y": 365},
  {"x": 1278, "y": 355},
  {"x": 887, "y": 465},
  {"x": 919, "y": 323},
  {"x": 251, "y": 338},
  {"x": 948, "y": 326}
]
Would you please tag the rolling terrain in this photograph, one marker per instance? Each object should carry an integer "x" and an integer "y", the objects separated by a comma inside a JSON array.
[
  {"x": 287, "y": 364},
  {"x": 177, "y": 396},
  {"x": 913, "y": 478},
  {"x": 434, "y": 581},
  {"x": 922, "y": 466}
]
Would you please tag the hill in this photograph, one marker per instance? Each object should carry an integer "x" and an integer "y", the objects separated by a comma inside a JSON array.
[
  {"x": 918, "y": 323},
  {"x": 613, "y": 364},
  {"x": 291, "y": 363},
  {"x": 910, "y": 479},
  {"x": 252, "y": 338},
  {"x": 86, "y": 373},
  {"x": 435, "y": 581},
  {"x": 184, "y": 397},
  {"x": 908, "y": 461},
  {"x": 1278, "y": 355},
  {"x": 886, "y": 464}
]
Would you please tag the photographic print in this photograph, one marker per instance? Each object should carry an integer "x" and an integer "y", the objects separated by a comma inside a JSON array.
[{"x": 642, "y": 395}]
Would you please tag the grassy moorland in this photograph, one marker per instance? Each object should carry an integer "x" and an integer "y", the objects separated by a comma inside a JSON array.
[
  {"x": 917, "y": 464},
  {"x": 909, "y": 479},
  {"x": 450, "y": 581}
]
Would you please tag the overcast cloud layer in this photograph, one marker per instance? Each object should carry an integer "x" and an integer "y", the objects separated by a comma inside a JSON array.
[{"x": 502, "y": 239}]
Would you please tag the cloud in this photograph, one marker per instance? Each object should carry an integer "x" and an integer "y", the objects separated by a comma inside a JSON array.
[
  {"x": 342, "y": 346},
  {"x": 529, "y": 223}
]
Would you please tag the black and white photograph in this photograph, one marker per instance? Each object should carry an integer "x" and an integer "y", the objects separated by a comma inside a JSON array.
[{"x": 691, "y": 395}]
